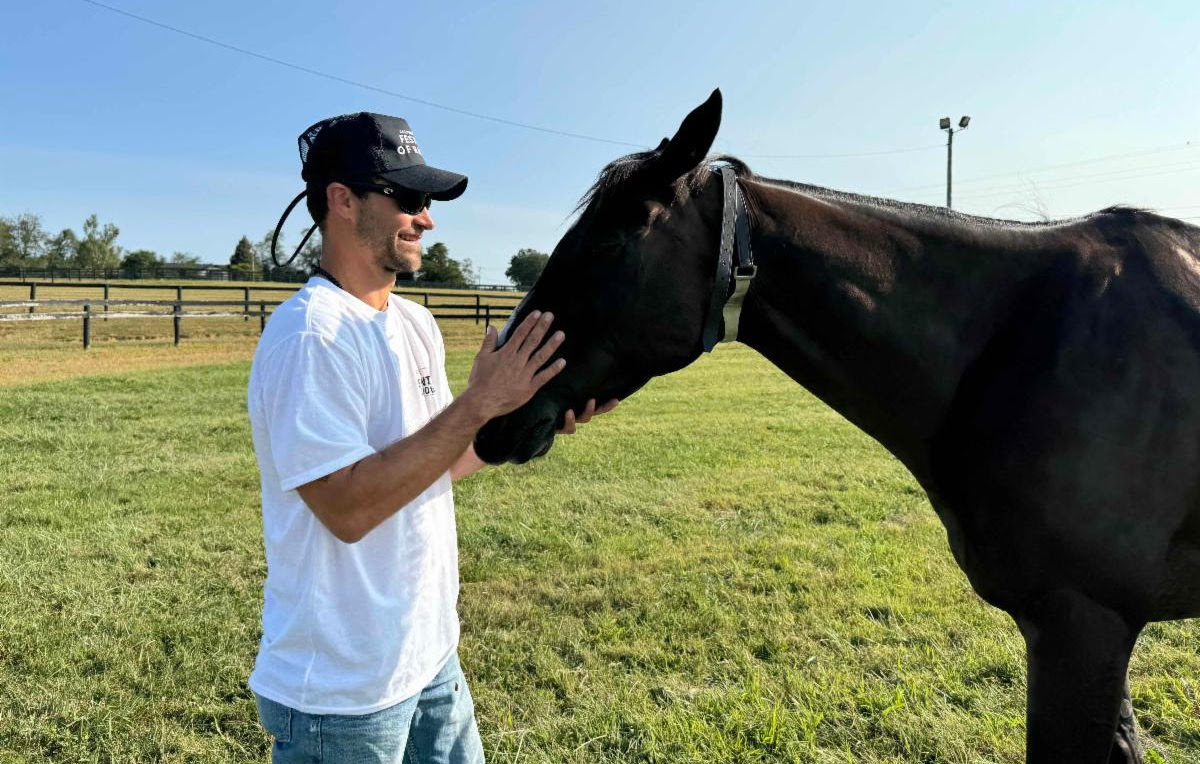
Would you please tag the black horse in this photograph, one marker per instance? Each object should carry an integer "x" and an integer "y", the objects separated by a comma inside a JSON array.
[{"x": 1040, "y": 380}]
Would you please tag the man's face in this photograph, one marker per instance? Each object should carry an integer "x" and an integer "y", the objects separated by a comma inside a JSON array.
[{"x": 393, "y": 236}]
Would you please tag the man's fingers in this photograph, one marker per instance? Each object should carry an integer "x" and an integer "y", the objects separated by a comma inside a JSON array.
[
  {"x": 571, "y": 421},
  {"x": 489, "y": 340},
  {"x": 534, "y": 338},
  {"x": 588, "y": 411},
  {"x": 568, "y": 427},
  {"x": 538, "y": 360},
  {"x": 548, "y": 373},
  {"x": 522, "y": 331}
]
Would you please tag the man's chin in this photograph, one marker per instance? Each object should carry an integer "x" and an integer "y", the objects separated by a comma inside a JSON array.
[{"x": 400, "y": 263}]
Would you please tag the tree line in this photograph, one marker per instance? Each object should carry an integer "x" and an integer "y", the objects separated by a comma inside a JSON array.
[
  {"x": 437, "y": 266},
  {"x": 26, "y": 245}
]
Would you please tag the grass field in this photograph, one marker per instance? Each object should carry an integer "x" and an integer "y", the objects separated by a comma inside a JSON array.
[{"x": 697, "y": 577}]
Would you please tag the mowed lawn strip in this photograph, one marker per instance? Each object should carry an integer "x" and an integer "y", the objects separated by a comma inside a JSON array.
[{"x": 722, "y": 570}]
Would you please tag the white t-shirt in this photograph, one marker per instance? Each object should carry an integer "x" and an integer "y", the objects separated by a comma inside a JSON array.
[{"x": 349, "y": 628}]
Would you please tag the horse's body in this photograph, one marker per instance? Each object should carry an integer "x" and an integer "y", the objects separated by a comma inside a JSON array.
[{"x": 1041, "y": 382}]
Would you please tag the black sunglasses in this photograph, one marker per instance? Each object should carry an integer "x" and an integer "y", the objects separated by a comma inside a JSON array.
[{"x": 409, "y": 201}]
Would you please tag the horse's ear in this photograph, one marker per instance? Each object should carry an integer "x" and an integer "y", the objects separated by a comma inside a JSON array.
[{"x": 692, "y": 140}]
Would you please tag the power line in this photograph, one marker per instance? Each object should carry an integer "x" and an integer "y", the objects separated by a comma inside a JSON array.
[
  {"x": 357, "y": 84},
  {"x": 839, "y": 156},
  {"x": 454, "y": 109},
  {"x": 1083, "y": 180},
  {"x": 1047, "y": 168},
  {"x": 1069, "y": 180}
]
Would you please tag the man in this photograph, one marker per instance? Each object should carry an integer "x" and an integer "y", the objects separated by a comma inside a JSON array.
[{"x": 357, "y": 441}]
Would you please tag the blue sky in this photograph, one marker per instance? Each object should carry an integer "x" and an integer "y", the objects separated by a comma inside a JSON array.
[{"x": 188, "y": 146}]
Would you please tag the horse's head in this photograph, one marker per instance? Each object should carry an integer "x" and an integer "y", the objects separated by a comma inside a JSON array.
[{"x": 629, "y": 284}]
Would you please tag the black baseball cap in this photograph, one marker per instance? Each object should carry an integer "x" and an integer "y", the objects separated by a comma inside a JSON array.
[{"x": 366, "y": 147}]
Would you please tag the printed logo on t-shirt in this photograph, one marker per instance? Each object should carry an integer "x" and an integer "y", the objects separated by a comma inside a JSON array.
[{"x": 425, "y": 382}]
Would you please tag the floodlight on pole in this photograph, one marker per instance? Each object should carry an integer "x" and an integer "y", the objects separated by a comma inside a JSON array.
[{"x": 944, "y": 123}]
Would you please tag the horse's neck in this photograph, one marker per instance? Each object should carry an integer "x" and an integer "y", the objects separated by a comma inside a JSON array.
[{"x": 876, "y": 311}]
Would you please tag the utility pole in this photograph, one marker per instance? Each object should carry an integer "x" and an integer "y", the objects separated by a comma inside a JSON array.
[{"x": 944, "y": 123}]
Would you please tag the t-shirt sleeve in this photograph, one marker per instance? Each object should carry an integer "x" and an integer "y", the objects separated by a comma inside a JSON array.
[{"x": 315, "y": 409}]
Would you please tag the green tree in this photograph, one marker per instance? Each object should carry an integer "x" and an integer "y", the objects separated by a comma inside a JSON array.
[
  {"x": 62, "y": 249},
  {"x": 310, "y": 254},
  {"x": 98, "y": 247},
  {"x": 8, "y": 243},
  {"x": 525, "y": 267},
  {"x": 438, "y": 267},
  {"x": 28, "y": 241},
  {"x": 184, "y": 259},
  {"x": 139, "y": 263},
  {"x": 470, "y": 272},
  {"x": 244, "y": 259},
  {"x": 22, "y": 242},
  {"x": 262, "y": 249}
]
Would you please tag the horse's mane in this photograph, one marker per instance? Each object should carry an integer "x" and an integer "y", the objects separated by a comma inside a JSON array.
[
  {"x": 615, "y": 174},
  {"x": 610, "y": 180}
]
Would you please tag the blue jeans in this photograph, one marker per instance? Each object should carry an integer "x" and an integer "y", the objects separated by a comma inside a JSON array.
[{"x": 435, "y": 726}]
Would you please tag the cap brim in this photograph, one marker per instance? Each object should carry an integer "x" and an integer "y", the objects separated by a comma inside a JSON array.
[{"x": 442, "y": 185}]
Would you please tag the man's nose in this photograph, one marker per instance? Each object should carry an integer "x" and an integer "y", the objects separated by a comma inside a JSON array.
[{"x": 425, "y": 220}]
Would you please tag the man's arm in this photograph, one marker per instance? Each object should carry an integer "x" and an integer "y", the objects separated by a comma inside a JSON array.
[
  {"x": 468, "y": 463},
  {"x": 353, "y": 500}
]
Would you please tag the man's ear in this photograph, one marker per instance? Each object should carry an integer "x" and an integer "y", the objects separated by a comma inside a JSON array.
[
  {"x": 681, "y": 153},
  {"x": 340, "y": 200}
]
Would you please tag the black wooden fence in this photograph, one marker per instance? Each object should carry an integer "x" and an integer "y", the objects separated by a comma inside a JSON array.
[
  {"x": 495, "y": 308},
  {"x": 71, "y": 276}
]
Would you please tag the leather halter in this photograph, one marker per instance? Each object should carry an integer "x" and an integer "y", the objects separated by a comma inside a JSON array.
[{"x": 725, "y": 306}]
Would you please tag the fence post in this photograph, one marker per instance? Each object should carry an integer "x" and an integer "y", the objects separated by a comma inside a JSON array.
[
  {"x": 106, "y": 301},
  {"x": 426, "y": 296},
  {"x": 32, "y": 296},
  {"x": 246, "y": 303},
  {"x": 262, "y": 317},
  {"x": 87, "y": 326},
  {"x": 177, "y": 319},
  {"x": 179, "y": 294},
  {"x": 477, "y": 310},
  {"x": 487, "y": 316}
]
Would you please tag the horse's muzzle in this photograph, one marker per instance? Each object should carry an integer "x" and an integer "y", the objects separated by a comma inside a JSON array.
[{"x": 525, "y": 434}]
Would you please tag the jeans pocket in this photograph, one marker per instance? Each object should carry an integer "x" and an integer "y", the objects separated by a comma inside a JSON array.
[{"x": 276, "y": 718}]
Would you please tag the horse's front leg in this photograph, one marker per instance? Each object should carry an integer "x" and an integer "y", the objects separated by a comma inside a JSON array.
[{"x": 1078, "y": 653}]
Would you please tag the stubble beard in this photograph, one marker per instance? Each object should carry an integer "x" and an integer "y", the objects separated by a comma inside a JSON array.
[{"x": 382, "y": 240}]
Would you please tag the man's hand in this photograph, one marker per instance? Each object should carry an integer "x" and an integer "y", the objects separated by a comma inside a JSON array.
[
  {"x": 570, "y": 421},
  {"x": 503, "y": 380}
]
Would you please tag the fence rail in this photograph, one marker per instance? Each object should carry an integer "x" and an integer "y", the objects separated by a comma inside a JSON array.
[
  {"x": 196, "y": 272},
  {"x": 481, "y": 312}
]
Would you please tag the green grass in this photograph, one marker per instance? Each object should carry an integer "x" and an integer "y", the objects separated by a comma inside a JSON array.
[{"x": 697, "y": 577}]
